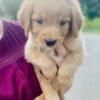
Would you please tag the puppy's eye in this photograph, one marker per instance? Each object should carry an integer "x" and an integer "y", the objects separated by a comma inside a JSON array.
[
  {"x": 62, "y": 23},
  {"x": 39, "y": 21}
]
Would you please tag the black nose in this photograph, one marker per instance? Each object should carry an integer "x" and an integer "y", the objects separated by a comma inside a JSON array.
[{"x": 50, "y": 42}]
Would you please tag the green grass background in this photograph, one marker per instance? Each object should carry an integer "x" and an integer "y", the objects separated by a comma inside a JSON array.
[{"x": 92, "y": 25}]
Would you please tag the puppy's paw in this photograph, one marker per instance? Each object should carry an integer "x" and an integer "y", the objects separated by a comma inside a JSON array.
[
  {"x": 50, "y": 71},
  {"x": 65, "y": 83},
  {"x": 63, "y": 80},
  {"x": 66, "y": 88}
]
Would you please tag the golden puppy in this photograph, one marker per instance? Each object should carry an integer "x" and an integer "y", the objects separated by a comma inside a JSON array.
[{"x": 54, "y": 44}]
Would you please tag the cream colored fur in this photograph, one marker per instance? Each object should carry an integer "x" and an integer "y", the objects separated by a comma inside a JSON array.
[{"x": 57, "y": 70}]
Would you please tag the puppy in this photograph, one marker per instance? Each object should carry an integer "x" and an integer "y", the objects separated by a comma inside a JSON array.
[{"x": 54, "y": 46}]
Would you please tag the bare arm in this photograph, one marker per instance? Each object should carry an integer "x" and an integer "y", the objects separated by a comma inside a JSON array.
[
  {"x": 1, "y": 29},
  {"x": 72, "y": 61}
]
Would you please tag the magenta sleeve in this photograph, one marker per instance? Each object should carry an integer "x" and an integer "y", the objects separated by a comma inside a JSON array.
[{"x": 18, "y": 80}]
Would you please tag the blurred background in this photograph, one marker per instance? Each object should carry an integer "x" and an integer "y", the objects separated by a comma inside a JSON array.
[
  {"x": 91, "y": 10},
  {"x": 87, "y": 80}
]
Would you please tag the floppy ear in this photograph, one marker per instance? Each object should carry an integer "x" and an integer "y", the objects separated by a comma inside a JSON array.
[
  {"x": 24, "y": 15},
  {"x": 76, "y": 22}
]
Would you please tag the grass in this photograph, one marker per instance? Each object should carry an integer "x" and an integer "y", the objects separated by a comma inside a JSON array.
[{"x": 92, "y": 25}]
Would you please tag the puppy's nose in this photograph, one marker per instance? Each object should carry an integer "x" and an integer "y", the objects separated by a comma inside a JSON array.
[{"x": 50, "y": 42}]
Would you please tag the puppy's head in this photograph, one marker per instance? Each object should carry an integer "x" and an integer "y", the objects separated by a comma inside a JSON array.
[{"x": 50, "y": 21}]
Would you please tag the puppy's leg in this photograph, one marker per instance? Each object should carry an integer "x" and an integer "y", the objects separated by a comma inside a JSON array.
[
  {"x": 43, "y": 62},
  {"x": 56, "y": 87},
  {"x": 61, "y": 95},
  {"x": 48, "y": 91},
  {"x": 41, "y": 97},
  {"x": 71, "y": 62},
  {"x": 39, "y": 76}
]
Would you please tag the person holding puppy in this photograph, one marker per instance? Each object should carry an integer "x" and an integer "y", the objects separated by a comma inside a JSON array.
[{"x": 17, "y": 77}]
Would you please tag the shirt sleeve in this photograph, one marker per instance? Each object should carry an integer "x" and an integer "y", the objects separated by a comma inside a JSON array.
[
  {"x": 18, "y": 81},
  {"x": 13, "y": 36},
  {"x": 17, "y": 78},
  {"x": 13, "y": 85}
]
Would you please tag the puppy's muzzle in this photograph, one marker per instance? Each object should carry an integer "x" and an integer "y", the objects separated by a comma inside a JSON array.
[{"x": 50, "y": 42}]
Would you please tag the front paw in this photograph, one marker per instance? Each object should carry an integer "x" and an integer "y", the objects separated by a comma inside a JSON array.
[
  {"x": 49, "y": 71},
  {"x": 65, "y": 82}
]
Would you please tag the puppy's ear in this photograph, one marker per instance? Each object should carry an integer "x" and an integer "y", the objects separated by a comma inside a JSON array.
[
  {"x": 25, "y": 14},
  {"x": 76, "y": 22}
]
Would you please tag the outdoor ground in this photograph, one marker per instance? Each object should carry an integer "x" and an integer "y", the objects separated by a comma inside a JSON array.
[{"x": 87, "y": 80}]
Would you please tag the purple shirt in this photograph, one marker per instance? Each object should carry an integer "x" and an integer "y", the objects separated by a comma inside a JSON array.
[{"x": 17, "y": 77}]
